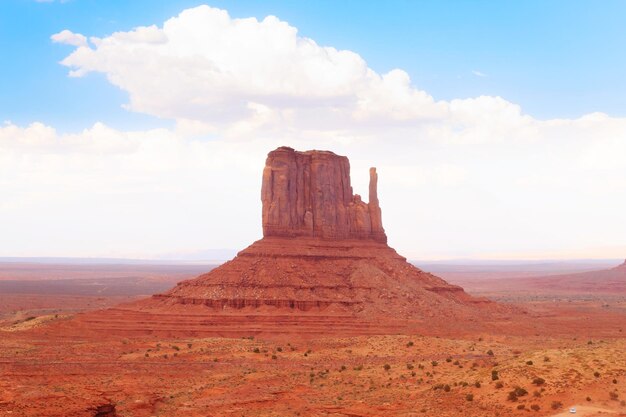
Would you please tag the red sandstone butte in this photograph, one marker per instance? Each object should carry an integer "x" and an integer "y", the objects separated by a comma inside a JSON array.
[
  {"x": 323, "y": 266},
  {"x": 309, "y": 194}
]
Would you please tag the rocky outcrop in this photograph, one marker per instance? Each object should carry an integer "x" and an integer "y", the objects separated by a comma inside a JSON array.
[
  {"x": 309, "y": 194},
  {"x": 322, "y": 266}
]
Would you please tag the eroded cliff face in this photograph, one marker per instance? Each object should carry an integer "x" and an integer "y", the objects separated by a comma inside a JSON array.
[{"x": 309, "y": 194}]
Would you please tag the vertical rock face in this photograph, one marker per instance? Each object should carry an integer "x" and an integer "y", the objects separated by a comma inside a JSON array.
[{"x": 309, "y": 194}]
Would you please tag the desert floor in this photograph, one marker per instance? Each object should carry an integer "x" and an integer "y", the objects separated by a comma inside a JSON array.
[{"x": 575, "y": 356}]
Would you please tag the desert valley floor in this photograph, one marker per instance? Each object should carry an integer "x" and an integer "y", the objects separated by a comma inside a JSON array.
[{"x": 566, "y": 348}]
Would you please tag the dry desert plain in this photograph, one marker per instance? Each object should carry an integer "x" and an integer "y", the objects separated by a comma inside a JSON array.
[{"x": 566, "y": 348}]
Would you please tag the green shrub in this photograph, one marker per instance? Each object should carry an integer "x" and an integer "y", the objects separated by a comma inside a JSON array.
[{"x": 556, "y": 405}]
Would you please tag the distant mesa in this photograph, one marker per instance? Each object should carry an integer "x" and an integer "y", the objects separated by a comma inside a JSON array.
[{"x": 322, "y": 266}]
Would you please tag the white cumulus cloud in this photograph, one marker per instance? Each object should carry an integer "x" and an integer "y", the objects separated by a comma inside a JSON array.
[{"x": 69, "y": 38}]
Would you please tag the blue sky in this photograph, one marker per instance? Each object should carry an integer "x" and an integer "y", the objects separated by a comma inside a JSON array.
[
  {"x": 498, "y": 128},
  {"x": 555, "y": 59}
]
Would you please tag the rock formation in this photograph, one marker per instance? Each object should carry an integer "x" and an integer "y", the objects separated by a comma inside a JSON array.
[
  {"x": 309, "y": 194},
  {"x": 322, "y": 266}
]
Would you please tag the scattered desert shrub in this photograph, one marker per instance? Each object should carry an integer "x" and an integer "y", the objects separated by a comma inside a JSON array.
[
  {"x": 448, "y": 359},
  {"x": 529, "y": 362},
  {"x": 516, "y": 393},
  {"x": 613, "y": 395},
  {"x": 545, "y": 359},
  {"x": 535, "y": 407},
  {"x": 614, "y": 381},
  {"x": 279, "y": 349},
  {"x": 596, "y": 374},
  {"x": 539, "y": 381},
  {"x": 409, "y": 344},
  {"x": 499, "y": 385},
  {"x": 434, "y": 363},
  {"x": 409, "y": 366},
  {"x": 477, "y": 384},
  {"x": 494, "y": 375},
  {"x": 588, "y": 398},
  {"x": 521, "y": 406},
  {"x": 446, "y": 388},
  {"x": 469, "y": 397},
  {"x": 556, "y": 405},
  {"x": 490, "y": 352},
  {"x": 256, "y": 350},
  {"x": 189, "y": 345},
  {"x": 176, "y": 348},
  {"x": 387, "y": 367},
  {"x": 274, "y": 357}
]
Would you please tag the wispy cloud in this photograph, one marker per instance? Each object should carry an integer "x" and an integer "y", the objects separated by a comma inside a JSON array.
[{"x": 479, "y": 74}]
